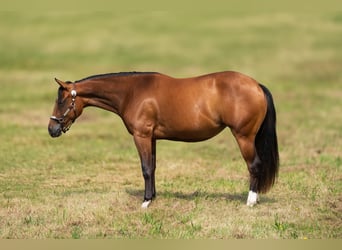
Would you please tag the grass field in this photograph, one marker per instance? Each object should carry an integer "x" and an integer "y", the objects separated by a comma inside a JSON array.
[{"x": 88, "y": 183}]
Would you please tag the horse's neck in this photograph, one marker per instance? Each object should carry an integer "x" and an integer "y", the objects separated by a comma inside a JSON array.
[{"x": 106, "y": 94}]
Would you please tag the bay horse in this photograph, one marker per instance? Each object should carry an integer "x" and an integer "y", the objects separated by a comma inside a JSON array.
[{"x": 155, "y": 106}]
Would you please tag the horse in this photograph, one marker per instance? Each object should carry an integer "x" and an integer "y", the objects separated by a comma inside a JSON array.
[{"x": 154, "y": 106}]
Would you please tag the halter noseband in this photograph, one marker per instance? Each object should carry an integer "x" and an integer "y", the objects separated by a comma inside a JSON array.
[{"x": 71, "y": 107}]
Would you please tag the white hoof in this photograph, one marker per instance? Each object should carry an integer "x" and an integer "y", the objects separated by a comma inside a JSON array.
[
  {"x": 252, "y": 199},
  {"x": 146, "y": 204}
]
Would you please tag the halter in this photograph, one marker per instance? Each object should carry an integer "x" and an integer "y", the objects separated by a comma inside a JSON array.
[{"x": 71, "y": 107}]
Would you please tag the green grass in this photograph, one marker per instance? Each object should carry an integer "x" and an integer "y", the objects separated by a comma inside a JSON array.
[{"x": 88, "y": 183}]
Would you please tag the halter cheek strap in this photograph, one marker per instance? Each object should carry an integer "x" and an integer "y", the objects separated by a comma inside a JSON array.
[{"x": 71, "y": 107}]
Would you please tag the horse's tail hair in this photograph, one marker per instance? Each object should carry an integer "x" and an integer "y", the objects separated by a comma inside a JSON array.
[{"x": 266, "y": 145}]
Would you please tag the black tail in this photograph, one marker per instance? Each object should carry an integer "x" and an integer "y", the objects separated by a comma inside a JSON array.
[{"x": 267, "y": 147}]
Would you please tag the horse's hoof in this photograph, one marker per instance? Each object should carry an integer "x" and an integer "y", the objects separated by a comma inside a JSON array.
[
  {"x": 145, "y": 204},
  {"x": 252, "y": 199}
]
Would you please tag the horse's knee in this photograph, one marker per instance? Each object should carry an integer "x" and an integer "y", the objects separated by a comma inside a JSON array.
[{"x": 147, "y": 172}]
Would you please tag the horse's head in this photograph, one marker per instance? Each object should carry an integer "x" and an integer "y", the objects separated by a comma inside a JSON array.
[{"x": 67, "y": 108}]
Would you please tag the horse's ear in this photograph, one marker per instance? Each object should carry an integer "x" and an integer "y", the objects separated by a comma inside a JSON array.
[{"x": 61, "y": 83}]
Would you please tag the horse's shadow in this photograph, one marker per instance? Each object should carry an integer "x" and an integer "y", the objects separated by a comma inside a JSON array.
[{"x": 238, "y": 197}]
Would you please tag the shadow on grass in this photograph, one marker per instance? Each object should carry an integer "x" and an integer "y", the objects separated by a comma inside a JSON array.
[{"x": 240, "y": 197}]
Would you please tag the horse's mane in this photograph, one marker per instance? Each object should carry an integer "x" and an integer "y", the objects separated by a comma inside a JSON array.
[{"x": 133, "y": 73}]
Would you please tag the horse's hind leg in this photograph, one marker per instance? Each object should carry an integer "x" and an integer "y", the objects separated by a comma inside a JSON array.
[{"x": 247, "y": 148}]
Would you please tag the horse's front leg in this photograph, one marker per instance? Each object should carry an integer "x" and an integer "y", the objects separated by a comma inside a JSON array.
[
  {"x": 146, "y": 147},
  {"x": 154, "y": 161}
]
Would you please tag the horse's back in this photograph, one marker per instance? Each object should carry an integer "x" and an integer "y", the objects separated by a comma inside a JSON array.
[{"x": 223, "y": 93}]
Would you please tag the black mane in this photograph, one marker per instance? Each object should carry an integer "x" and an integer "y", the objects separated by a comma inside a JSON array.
[{"x": 133, "y": 73}]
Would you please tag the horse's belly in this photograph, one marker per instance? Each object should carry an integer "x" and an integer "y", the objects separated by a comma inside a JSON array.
[{"x": 187, "y": 134}]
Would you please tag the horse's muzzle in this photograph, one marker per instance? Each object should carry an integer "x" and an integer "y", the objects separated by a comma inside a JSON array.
[{"x": 55, "y": 130}]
